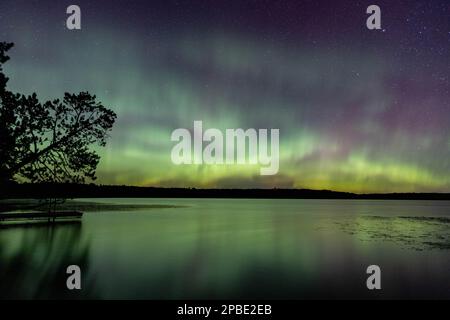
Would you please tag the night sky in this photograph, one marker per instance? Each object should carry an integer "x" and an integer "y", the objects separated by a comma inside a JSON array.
[{"x": 358, "y": 110}]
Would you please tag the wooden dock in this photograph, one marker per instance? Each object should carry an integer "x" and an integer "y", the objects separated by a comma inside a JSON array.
[{"x": 40, "y": 216}]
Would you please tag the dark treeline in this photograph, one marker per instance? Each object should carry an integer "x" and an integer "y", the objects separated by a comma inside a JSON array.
[{"x": 61, "y": 190}]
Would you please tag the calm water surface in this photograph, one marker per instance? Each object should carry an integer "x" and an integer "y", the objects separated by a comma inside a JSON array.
[{"x": 226, "y": 248}]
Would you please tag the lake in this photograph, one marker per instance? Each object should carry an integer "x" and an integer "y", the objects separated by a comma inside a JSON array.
[{"x": 233, "y": 249}]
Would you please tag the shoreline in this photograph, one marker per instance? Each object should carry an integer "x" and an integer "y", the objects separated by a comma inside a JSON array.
[{"x": 72, "y": 191}]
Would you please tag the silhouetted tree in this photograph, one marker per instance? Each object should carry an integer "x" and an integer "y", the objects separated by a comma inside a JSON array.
[
  {"x": 7, "y": 116},
  {"x": 51, "y": 141}
]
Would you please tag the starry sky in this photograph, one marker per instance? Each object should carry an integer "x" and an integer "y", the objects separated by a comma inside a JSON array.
[{"x": 358, "y": 110}]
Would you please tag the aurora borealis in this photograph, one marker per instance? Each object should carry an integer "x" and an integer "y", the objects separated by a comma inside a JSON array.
[{"x": 358, "y": 110}]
